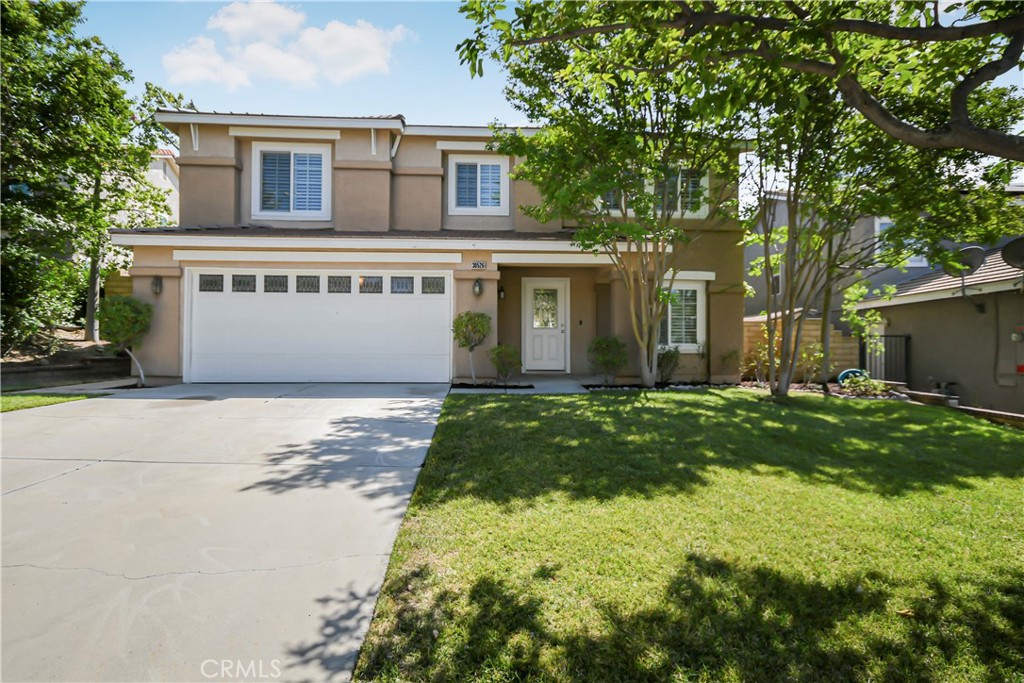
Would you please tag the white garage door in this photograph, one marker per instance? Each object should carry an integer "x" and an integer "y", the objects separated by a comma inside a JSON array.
[{"x": 327, "y": 326}]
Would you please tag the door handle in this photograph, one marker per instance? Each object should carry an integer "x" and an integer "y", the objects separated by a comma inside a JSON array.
[{"x": 562, "y": 327}]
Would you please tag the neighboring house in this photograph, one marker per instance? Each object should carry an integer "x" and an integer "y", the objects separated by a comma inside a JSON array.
[
  {"x": 972, "y": 346},
  {"x": 340, "y": 249},
  {"x": 163, "y": 173},
  {"x": 865, "y": 232}
]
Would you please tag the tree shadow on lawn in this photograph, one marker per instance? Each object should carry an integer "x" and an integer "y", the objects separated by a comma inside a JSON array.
[
  {"x": 715, "y": 621},
  {"x": 603, "y": 445}
]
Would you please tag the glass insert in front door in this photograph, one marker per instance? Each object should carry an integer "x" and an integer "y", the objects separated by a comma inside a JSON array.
[{"x": 545, "y": 309}]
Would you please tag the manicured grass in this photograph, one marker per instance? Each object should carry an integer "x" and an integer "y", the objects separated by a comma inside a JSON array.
[
  {"x": 22, "y": 401},
  {"x": 706, "y": 536}
]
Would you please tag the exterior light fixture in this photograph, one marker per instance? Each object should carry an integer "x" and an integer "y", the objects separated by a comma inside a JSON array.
[
  {"x": 157, "y": 285},
  {"x": 501, "y": 292},
  {"x": 478, "y": 287}
]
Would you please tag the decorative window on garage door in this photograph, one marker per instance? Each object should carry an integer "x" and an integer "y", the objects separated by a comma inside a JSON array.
[
  {"x": 307, "y": 284},
  {"x": 371, "y": 284},
  {"x": 401, "y": 284},
  {"x": 243, "y": 283},
  {"x": 211, "y": 283},
  {"x": 275, "y": 283},
  {"x": 339, "y": 284},
  {"x": 432, "y": 285}
]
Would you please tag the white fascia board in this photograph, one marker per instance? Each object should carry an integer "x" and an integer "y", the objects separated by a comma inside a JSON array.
[
  {"x": 462, "y": 145},
  {"x": 173, "y": 240},
  {"x": 987, "y": 288},
  {"x": 286, "y": 121},
  {"x": 283, "y": 133},
  {"x": 316, "y": 256}
]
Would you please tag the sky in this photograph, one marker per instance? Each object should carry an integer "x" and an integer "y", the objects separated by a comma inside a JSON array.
[{"x": 313, "y": 58}]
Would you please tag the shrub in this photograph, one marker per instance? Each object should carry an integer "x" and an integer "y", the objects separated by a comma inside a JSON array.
[
  {"x": 668, "y": 361},
  {"x": 812, "y": 355},
  {"x": 506, "y": 359},
  {"x": 607, "y": 355},
  {"x": 470, "y": 329},
  {"x": 863, "y": 385},
  {"x": 124, "y": 321}
]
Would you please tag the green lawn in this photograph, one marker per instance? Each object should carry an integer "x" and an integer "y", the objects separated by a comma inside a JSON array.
[
  {"x": 706, "y": 536},
  {"x": 23, "y": 401}
]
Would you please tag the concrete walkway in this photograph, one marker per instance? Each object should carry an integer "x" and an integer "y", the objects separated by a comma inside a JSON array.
[{"x": 204, "y": 532}]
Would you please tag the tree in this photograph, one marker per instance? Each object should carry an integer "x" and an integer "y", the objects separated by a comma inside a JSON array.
[
  {"x": 75, "y": 156},
  {"x": 828, "y": 167},
  {"x": 871, "y": 53},
  {"x": 471, "y": 329},
  {"x": 125, "y": 321},
  {"x": 622, "y": 156}
]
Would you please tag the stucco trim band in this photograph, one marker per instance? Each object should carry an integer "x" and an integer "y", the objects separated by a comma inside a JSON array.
[{"x": 317, "y": 256}]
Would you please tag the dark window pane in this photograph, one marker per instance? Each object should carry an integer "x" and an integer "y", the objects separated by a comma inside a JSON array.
[
  {"x": 211, "y": 283},
  {"x": 339, "y": 284},
  {"x": 307, "y": 284},
  {"x": 371, "y": 284},
  {"x": 275, "y": 283},
  {"x": 243, "y": 283},
  {"x": 432, "y": 285},
  {"x": 401, "y": 285}
]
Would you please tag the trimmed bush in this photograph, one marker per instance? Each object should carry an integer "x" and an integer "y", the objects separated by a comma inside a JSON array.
[
  {"x": 470, "y": 329},
  {"x": 124, "y": 321},
  {"x": 607, "y": 355},
  {"x": 668, "y": 361},
  {"x": 506, "y": 359}
]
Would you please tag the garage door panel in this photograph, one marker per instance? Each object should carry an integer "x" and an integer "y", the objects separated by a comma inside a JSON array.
[{"x": 325, "y": 337}]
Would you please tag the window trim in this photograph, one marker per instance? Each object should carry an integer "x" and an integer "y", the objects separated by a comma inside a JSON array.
[
  {"x": 502, "y": 209},
  {"x": 913, "y": 261},
  {"x": 701, "y": 288},
  {"x": 292, "y": 148}
]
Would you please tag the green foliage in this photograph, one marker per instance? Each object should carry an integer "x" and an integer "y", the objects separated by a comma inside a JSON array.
[
  {"x": 607, "y": 355},
  {"x": 506, "y": 360},
  {"x": 863, "y": 385},
  {"x": 471, "y": 329},
  {"x": 76, "y": 151},
  {"x": 811, "y": 360},
  {"x": 9, "y": 402},
  {"x": 39, "y": 294},
  {"x": 124, "y": 321},
  {"x": 668, "y": 361}
]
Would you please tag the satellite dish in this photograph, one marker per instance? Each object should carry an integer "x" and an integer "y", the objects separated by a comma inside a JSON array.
[
  {"x": 1013, "y": 253},
  {"x": 970, "y": 258}
]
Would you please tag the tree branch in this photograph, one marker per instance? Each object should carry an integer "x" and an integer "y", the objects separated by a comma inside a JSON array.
[{"x": 983, "y": 74}]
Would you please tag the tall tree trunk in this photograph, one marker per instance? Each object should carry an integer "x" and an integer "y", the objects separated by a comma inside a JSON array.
[
  {"x": 92, "y": 297},
  {"x": 826, "y": 336},
  {"x": 92, "y": 300}
]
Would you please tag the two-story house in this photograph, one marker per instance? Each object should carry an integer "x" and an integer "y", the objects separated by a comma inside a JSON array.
[{"x": 340, "y": 249}]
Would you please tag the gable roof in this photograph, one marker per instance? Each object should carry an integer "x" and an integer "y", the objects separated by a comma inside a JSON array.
[{"x": 994, "y": 275}]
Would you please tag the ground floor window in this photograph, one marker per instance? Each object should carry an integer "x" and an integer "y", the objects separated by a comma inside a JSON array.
[{"x": 683, "y": 324}]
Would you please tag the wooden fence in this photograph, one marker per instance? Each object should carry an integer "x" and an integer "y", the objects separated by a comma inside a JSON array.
[{"x": 845, "y": 349}]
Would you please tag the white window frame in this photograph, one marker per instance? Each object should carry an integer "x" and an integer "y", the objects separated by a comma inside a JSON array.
[
  {"x": 291, "y": 147},
  {"x": 915, "y": 261},
  {"x": 501, "y": 209},
  {"x": 701, "y": 287},
  {"x": 702, "y": 212}
]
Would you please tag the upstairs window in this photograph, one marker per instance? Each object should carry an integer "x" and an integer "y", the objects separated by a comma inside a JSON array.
[
  {"x": 291, "y": 182},
  {"x": 883, "y": 224},
  {"x": 684, "y": 192},
  {"x": 477, "y": 185}
]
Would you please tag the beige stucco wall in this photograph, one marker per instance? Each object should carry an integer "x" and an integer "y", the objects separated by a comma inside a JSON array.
[
  {"x": 362, "y": 199},
  {"x": 416, "y": 201},
  {"x": 212, "y": 192},
  {"x": 951, "y": 342}
]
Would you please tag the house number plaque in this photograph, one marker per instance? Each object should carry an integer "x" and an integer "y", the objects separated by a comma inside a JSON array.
[{"x": 479, "y": 265}]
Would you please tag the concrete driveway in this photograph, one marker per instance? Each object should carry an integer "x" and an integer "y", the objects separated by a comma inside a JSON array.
[{"x": 204, "y": 532}]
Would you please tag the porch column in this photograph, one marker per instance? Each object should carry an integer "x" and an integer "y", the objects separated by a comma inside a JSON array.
[
  {"x": 485, "y": 302},
  {"x": 622, "y": 328}
]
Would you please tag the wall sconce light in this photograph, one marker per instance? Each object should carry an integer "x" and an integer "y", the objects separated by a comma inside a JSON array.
[
  {"x": 157, "y": 285},
  {"x": 478, "y": 288},
  {"x": 501, "y": 292}
]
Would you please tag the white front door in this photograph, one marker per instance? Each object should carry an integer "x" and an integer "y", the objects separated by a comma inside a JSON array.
[{"x": 545, "y": 329}]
